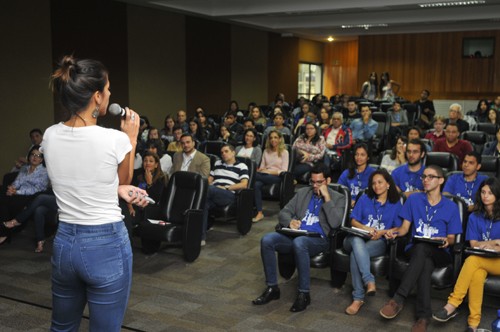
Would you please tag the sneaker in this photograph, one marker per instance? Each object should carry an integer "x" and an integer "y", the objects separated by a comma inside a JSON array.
[
  {"x": 420, "y": 325},
  {"x": 203, "y": 243},
  {"x": 443, "y": 316},
  {"x": 391, "y": 309}
]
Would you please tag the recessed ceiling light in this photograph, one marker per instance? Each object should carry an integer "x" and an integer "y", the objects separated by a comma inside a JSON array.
[
  {"x": 452, "y": 4},
  {"x": 330, "y": 39},
  {"x": 365, "y": 26}
]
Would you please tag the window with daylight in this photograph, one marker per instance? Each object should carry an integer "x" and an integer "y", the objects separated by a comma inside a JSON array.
[{"x": 310, "y": 79}]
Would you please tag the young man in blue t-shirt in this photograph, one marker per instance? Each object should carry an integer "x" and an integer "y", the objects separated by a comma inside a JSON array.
[
  {"x": 407, "y": 176},
  {"x": 316, "y": 208},
  {"x": 429, "y": 215},
  {"x": 465, "y": 185}
]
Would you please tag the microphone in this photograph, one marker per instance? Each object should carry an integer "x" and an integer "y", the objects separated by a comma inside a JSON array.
[{"x": 116, "y": 109}]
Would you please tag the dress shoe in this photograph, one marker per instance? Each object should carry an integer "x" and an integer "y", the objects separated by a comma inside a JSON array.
[
  {"x": 391, "y": 309},
  {"x": 354, "y": 307},
  {"x": 420, "y": 325},
  {"x": 271, "y": 293},
  {"x": 301, "y": 302},
  {"x": 371, "y": 289}
]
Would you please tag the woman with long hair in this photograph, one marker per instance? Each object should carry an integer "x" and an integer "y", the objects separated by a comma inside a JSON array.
[
  {"x": 257, "y": 116},
  {"x": 208, "y": 128},
  {"x": 249, "y": 149},
  {"x": 377, "y": 212},
  {"x": 481, "y": 112},
  {"x": 493, "y": 149},
  {"x": 196, "y": 130},
  {"x": 325, "y": 119},
  {"x": 274, "y": 161},
  {"x": 493, "y": 117},
  {"x": 167, "y": 132},
  {"x": 226, "y": 136},
  {"x": 89, "y": 167},
  {"x": 369, "y": 89},
  {"x": 356, "y": 176},
  {"x": 397, "y": 156},
  {"x": 310, "y": 148},
  {"x": 483, "y": 231}
]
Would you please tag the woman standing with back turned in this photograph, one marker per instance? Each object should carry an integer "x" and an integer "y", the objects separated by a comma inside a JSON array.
[{"x": 92, "y": 257}]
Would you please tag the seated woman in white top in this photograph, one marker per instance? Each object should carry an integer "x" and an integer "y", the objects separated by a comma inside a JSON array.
[
  {"x": 250, "y": 149},
  {"x": 397, "y": 156},
  {"x": 274, "y": 161}
]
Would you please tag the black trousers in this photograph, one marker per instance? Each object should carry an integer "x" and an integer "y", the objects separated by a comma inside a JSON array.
[{"x": 424, "y": 258}]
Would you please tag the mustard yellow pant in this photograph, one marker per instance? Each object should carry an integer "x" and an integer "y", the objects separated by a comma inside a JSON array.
[{"x": 472, "y": 278}]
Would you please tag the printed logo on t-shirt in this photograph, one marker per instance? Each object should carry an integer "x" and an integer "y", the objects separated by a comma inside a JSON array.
[
  {"x": 469, "y": 200},
  {"x": 354, "y": 190},
  {"x": 425, "y": 229},
  {"x": 409, "y": 187},
  {"x": 375, "y": 223},
  {"x": 310, "y": 218}
]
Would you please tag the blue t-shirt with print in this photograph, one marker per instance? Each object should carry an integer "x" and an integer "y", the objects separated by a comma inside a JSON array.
[
  {"x": 358, "y": 182},
  {"x": 407, "y": 180},
  {"x": 439, "y": 220},
  {"x": 372, "y": 213},
  {"x": 457, "y": 185},
  {"x": 479, "y": 228},
  {"x": 310, "y": 222}
]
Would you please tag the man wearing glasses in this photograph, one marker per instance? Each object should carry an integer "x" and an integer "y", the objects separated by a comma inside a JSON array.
[
  {"x": 428, "y": 215},
  {"x": 316, "y": 208},
  {"x": 407, "y": 176}
]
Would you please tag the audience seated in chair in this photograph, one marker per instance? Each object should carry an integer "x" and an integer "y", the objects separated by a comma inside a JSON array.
[
  {"x": 175, "y": 145},
  {"x": 453, "y": 144},
  {"x": 429, "y": 215},
  {"x": 493, "y": 148},
  {"x": 338, "y": 137},
  {"x": 483, "y": 231},
  {"x": 438, "y": 132},
  {"x": 356, "y": 176},
  {"x": 315, "y": 208},
  {"x": 31, "y": 180},
  {"x": 250, "y": 148},
  {"x": 278, "y": 121},
  {"x": 364, "y": 128},
  {"x": 154, "y": 146},
  {"x": 398, "y": 119},
  {"x": 407, "y": 177},
  {"x": 275, "y": 160},
  {"x": 426, "y": 110},
  {"x": 466, "y": 183},
  {"x": 455, "y": 115},
  {"x": 377, "y": 211},
  {"x": 190, "y": 159},
  {"x": 309, "y": 148},
  {"x": 397, "y": 157},
  {"x": 227, "y": 176},
  {"x": 36, "y": 137}
]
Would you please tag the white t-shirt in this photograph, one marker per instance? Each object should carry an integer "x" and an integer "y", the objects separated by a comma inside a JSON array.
[{"x": 82, "y": 163}]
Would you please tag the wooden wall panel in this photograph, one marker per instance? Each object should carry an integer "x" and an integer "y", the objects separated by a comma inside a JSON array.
[
  {"x": 431, "y": 61},
  {"x": 283, "y": 66},
  {"x": 340, "y": 68}
]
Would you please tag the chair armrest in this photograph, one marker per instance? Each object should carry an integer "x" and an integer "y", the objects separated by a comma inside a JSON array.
[
  {"x": 244, "y": 206},
  {"x": 286, "y": 188},
  {"x": 191, "y": 237}
]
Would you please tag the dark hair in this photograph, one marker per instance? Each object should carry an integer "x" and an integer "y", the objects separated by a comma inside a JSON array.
[
  {"x": 316, "y": 137},
  {"x": 415, "y": 128},
  {"x": 187, "y": 135},
  {"x": 420, "y": 143},
  {"x": 452, "y": 124},
  {"x": 427, "y": 91},
  {"x": 321, "y": 168},
  {"x": 36, "y": 130},
  {"x": 474, "y": 154},
  {"x": 76, "y": 80},
  {"x": 234, "y": 102},
  {"x": 392, "y": 193},
  {"x": 36, "y": 147},
  {"x": 279, "y": 114},
  {"x": 157, "y": 144},
  {"x": 230, "y": 146},
  {"x": 146, "y": 120},
  {"x": 177, "y": 127},
  {"x": 394, "y": 151},
  {"x": 251, "y": 121},
  {"x": 352, "y": 164},
  {"x": 479, "y": 207},
  {"x": 479, "y": 105},
  {"x": 232, "y": 113},
  {"x": 158, "y": 173},
  {"x": 254, "y": 134},
  {"x": 437, "y": 169},
  {"x": 200, "y": 133},
  {"x": 165, "y": 123}
]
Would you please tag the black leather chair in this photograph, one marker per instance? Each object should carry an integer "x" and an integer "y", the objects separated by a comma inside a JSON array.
[
  {"x": 412, "y": 112},
  {"x": 379, "y": 141},
  {"x": 442, "y": 277},
  {"x": 488, "y": 128},
  {"x": 211, "y": 147},
  {"x": 479, "y": 138},
  {"x": 286, "y": 262},
  {"x": 242, "y": 209},
  {"x": 447, "y": 161},
  {"x": 284, "y": 190},
  {"x": 181, "y": 205},
  {"x": 490, "y": 166},
  {"x": 384, "y": 107}
]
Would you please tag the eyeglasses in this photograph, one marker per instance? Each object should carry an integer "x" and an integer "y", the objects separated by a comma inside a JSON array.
[
  {"x": 39, "y": 155},
  {"x": 430, "y": 177},
  {"x": 319, "y": 183}
]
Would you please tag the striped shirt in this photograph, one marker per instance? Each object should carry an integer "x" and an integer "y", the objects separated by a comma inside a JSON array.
[{"x": 226, "y": 175}]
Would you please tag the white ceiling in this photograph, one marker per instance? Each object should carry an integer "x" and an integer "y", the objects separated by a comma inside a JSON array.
[{"x": 318, "y": 19}]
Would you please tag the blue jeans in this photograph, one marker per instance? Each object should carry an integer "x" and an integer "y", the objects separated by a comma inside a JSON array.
[
  {"x": 40, "y": 208},
  {"x": 360, "y": 253},
  {"x": 262, "y": 179},
  {"x": 302, "y": 247},
  {"x": 301, "y": 169},
  {"x": 90, "y": 264},
  {"x": 216, "y": 197}
]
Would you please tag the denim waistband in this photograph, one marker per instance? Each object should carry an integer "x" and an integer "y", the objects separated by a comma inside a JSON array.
[{"x": 108, "y": 228}]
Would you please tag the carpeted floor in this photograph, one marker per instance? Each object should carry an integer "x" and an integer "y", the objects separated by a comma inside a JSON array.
[{"x": 212, "y": 294}]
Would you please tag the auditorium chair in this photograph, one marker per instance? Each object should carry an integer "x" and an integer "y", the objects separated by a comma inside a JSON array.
[
  {"x": 442, "y": 277},
  {"x": 284, "y": 190},
  {"x": 479, "y": 138},
  {"x": 286, "y": 262},
  {"x": 181, "y": 205},
  {"x": 242, "y": 209},
  {"x": 447, "y": 161}
]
